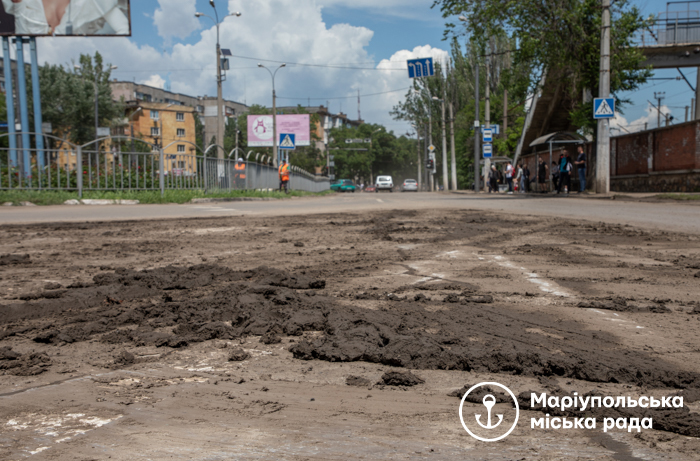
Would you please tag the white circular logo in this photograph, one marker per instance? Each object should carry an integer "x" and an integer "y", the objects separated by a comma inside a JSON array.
[
  {"x": 262, "y": 127},
  {"x": 490, "y": 420}
]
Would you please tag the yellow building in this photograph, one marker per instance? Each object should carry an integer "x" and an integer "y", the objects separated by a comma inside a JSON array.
[{"x": 168, "y": 125}]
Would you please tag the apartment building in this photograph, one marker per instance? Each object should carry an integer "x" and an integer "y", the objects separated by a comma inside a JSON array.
[{"x": 204, "y": 106}]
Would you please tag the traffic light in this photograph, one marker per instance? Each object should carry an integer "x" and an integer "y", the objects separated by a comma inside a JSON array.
[{"x": 430, "y": 164}]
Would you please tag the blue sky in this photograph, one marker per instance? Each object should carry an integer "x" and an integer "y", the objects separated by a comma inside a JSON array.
[{"x": 170, "y": 48}]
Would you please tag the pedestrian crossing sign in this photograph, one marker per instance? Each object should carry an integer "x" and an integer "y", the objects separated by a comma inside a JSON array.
[
  {"x": 287, "y": 141},
  {"x": 604, "y": 108}
]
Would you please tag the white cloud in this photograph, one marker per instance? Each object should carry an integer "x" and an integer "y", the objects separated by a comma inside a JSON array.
[
  {"x": 155, "y": 81},
  {"x": 175, "y": 18},
  {"x": 648, "y": 121},
  {"x": 275, "y": 30}
]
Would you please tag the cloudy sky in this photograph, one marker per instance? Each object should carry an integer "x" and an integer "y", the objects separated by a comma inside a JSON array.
[{"x": 345, "y": 46}]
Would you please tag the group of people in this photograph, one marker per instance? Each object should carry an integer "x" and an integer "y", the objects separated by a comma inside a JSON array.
[{"x": 520, "y": 177}]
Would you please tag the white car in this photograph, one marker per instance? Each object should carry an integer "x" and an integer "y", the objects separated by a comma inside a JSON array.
[
  {"x": 384, "y": 182},
  {"x": 410, "y": 185}
]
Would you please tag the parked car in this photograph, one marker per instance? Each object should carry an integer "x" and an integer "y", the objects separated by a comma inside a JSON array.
[
  {"x": 384, "y": 183},
  {"x": 370, "y": 189},
  {"x": 410, "y": 185},
  {"x": 343, "y": 185}
]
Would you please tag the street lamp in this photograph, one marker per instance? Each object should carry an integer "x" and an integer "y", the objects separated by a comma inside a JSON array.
[
  {"x": 97, "y": 96},
  {"x": 274, "y": 111},
  {"x": 444, "y": 144},
  {"x": 219, "y": 76},
  {"x": 417, "y": 128}
]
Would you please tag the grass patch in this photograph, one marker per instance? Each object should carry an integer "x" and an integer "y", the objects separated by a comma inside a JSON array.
[
  {"x": 170, "y": 196},
  {"x": 679, "y": 196}
]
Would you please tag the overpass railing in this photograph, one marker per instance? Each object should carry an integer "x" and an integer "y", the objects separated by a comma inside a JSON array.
[{"x": 671, "y": 28}]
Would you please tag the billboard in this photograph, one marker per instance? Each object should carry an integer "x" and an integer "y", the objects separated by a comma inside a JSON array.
[
  {"x": 260, "y": 129},
  {"x": 65, "y": 17}
]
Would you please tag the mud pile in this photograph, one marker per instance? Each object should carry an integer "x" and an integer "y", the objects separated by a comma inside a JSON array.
[{"x": 177, "y": 306}]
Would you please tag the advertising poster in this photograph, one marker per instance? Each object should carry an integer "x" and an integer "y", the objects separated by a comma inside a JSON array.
[
  {"x": 65, "y": 17},
  {"x": 260, "y": 129}
]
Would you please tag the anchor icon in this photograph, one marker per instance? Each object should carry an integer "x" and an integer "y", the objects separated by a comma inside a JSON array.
[{"x": 489, "y": 404}]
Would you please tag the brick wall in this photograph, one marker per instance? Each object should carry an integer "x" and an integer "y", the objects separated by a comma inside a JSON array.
[{"x": 661, "y": 160}]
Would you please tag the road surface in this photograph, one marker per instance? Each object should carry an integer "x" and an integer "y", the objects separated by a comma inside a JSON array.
[{"x": 678, "y": 217}]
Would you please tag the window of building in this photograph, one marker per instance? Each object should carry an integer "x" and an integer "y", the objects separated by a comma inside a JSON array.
[
  {"x": 180, "y": 116},
  {"x": 155, "y": 131},
  {"x": 181, "y": 164},
  {"x": 181, "y": 132},
  {"x": 200, "y": 109},
  {"x": 147, "y": 97},
  {"x": 155, "y": 115},
  {"x": 180, "y": 149}
]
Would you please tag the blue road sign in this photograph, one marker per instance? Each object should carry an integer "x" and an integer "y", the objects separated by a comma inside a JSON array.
[
  {"x": 495, "y": 129},
  {"x": 487, "y": 135},
  {"x": 418, "y": 68},
  {"x": 488, "y": 151},
  {"x": 604, "y": 108},
  {"x": 287, "y": 141}
]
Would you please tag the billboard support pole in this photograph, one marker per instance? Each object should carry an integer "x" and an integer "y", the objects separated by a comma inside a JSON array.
[
  {"x": 9, "y": 101},
  {"x": 23, "y": 109},
  {"x": 36, "y": 95}
]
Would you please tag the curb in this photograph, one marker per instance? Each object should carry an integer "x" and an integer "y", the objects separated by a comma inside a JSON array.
[
  {"x": 101, "y": 202},
  {"x": 233, "y": 199}
]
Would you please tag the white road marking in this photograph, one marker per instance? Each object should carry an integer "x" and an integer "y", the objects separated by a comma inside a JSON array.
[{"x": 380, "y": 200}]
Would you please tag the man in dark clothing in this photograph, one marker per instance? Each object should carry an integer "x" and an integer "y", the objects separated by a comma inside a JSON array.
[
  {"x": 493, "y": 179},
  {"x": 542, "y": 175},
  {"x": 526, "y": 177},
  {"x": 555, "y": 175},
  {"x": 581, "y": 164}
]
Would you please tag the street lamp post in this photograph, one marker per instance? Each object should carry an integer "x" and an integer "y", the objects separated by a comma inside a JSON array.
[
  {"x": 274, "y": 112},
  {"x": 97, "y": 96},
  {"x": 420, "y": 166},
  {"x": 219, "y": 77},
  {"x": 444, "y": 145}
]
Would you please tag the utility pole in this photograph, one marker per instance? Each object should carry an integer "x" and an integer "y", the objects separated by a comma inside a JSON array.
[
  {"x": 487, "y": 109},
  {"x": 445, "y": 184},
  {"x": 602, "y": 181},
  {"x": 477, "y": 134},
  {"x": 505, "y": 101},
  {"x": 453, "y": 157},
  {"x": 420, "y": 165},
  {"x": 659, "y": 97}
]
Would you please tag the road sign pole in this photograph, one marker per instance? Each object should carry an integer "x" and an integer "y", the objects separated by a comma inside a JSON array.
[{"x": 602, "y": 178}]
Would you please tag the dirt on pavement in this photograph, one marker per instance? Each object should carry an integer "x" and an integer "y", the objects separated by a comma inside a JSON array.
[{"x": 340, "y": 336}]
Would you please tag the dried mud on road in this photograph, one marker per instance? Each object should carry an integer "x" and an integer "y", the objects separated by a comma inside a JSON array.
[{"x": 339, "y": 336}]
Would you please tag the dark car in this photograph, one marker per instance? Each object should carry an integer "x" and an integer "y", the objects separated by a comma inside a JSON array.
[{"x": 343, "y": 185}]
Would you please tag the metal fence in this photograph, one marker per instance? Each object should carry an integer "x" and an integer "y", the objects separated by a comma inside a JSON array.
[{"x": 73, "y": 168}]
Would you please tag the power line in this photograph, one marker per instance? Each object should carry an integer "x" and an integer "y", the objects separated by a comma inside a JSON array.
[
  {"x": 345, "y": 97},
  {"x": 403, "y": 69}
]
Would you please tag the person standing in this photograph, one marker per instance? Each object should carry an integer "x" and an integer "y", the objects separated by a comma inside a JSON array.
[
  {"x": 519, "y": 178},
  {"x": 581, "y": 164},
  {"x": 555, "y": 175},
  {"x": 493, "y": 179},
  {"x": 239, "y": 174},
  {"x": 526, "y": 179},
  {"x": 564, "y": 172},
  {"x": 509, "y": 177},
  {"x": 542, "y": 175},
  {"x": 284, "y": 176}
]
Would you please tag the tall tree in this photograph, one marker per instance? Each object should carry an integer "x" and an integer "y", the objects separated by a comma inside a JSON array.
[
  {"x": 68, "y": 98},
  {"x": 560, "y": 39}
]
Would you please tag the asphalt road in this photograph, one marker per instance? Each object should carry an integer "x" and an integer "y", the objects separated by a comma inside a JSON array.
[{"x": 680, "y": 217}]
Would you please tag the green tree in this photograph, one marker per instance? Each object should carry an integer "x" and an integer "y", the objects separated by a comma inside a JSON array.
[
  {"x": 68, "y": 98},
  {"x": 559, "y": 39}
]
